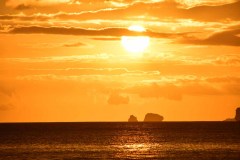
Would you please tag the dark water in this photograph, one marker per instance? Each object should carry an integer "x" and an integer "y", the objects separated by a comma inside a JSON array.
[{"x": 166, "y": 140}]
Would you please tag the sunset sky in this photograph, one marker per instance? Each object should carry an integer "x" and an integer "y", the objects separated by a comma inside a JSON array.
[{"x": 103, "y": 60}]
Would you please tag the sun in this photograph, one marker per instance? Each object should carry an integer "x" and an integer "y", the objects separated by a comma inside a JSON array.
[{"x": 135, "y": 45}]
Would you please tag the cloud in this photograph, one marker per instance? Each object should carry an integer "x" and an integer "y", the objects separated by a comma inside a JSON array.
[
  {"x": 5, "y": 107},
  {"x": 180, "y": 87},
  {"x": 173, "y": 16},
  {"x": 41, "y": 73},
  {"x": 61, "y": 59},
  {"x": 196, "y": 89},
  {"x": 23, "y": 7},
  {"x": 214, "y": 13},
  {"x": 228, "y": 38},
  {"x": 92, "y": 32},
  {"x": 233, "y": 89},
  {"x": 109, "y": 3},
  {"x": 192, "y": 3},
  {"x": 169, "y": 9},
  {"x": 5, "y": 28},
  {"x": 232, "y": 60},
  {"x": 117, "y": 99},
  {"x": 77, "y": 44},
  {"x": 128, "y": 83},
  {"x": 107, "y": 39},
  {"x": 6, "y": 95},
  {"x": 224, "y": 79},
  {"x": 73, "y": 31},
  {"x": 154, "y": 90},
  {"x": 6, "y": 89},
  {"x": 28, "y": 3},
  {"x": 176, "y": 88}
]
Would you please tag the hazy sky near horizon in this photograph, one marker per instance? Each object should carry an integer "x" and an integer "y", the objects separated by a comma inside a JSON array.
[{"x": 66, "y": 60}]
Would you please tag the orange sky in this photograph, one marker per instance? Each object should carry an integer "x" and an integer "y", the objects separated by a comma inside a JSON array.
[{"x": 64, "y": 60}]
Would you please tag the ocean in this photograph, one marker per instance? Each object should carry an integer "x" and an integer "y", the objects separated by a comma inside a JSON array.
[{"x": 120, "y": 140}]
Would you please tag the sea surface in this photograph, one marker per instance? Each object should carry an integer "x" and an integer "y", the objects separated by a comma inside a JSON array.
[{"x": 116, "y": 140}]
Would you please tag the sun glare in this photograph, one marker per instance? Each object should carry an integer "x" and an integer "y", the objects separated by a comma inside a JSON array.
[
  {"x": 135, "y": 44},
  {"x": 136, "y": 28}
]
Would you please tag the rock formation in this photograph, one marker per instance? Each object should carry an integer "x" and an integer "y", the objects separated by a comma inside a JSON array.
[
  {"x": 132, "y": 118},
  {"x": 237, "y": 116},
  {"x": 151, "y": 117},
  {"x": 230, "y": 119}
]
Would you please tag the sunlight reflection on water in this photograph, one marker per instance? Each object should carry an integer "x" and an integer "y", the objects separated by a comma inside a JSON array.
[
  {"x": 136, "y": 147},
  {"x": 123, "y": 141}
]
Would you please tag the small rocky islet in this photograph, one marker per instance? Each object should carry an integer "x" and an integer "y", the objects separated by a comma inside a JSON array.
[{"x": 149, "y": 117}]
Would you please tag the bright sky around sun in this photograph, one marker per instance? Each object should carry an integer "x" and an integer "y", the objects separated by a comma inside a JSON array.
[
  {"x": 135, "y": 45},
  {"x": 103, "y": 60}
]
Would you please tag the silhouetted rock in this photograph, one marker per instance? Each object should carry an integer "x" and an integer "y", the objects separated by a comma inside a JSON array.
[
  {"x": 230, "y": 119},
  {"x": 151, "y": 117},
  {"x": 132, "y": 118},
  {"x": 237, "y": 116}
]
